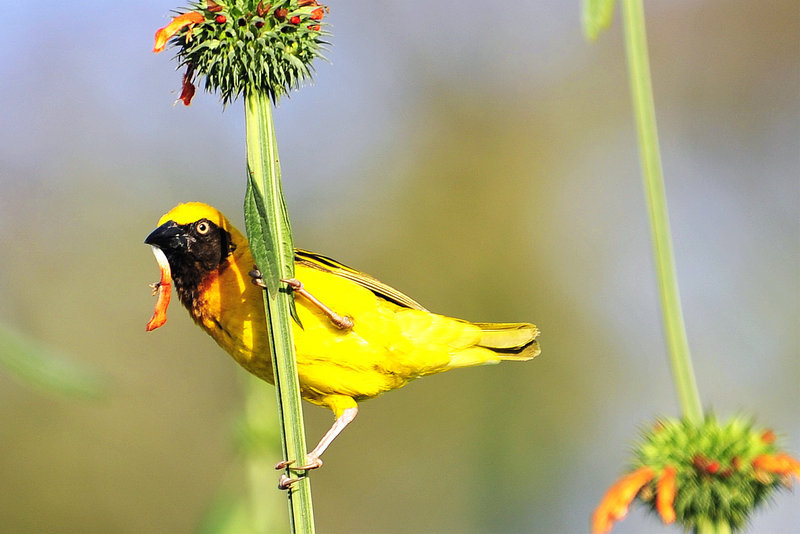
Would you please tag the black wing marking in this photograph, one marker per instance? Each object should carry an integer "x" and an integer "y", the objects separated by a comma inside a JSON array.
[{"x": 324, "y": 263}]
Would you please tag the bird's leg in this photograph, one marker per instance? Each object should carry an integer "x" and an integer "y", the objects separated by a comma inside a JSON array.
[
  {"x": 343, "y": 322},
  {"x": 313, "y": 457}
]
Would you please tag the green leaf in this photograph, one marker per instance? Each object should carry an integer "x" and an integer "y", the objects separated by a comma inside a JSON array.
[
  {"x": 260, "y": 222},
  {"x": 257, "y": 222},
  {"x": 596, "y": 16},
  {"x": 45, "y": 368}
]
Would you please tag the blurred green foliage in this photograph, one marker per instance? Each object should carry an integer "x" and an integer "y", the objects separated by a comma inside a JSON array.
[
  {"x": 596, "y": 16},
  {"x": 256, "y": 506},
  {"x": 43, "y": 368}
]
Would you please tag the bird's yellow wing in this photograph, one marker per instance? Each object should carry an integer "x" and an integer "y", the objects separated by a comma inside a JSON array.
[{"x": 324, "y": 263}]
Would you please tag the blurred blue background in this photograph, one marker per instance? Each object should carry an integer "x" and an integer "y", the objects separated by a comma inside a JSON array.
[{"x": 479, "y": 157}]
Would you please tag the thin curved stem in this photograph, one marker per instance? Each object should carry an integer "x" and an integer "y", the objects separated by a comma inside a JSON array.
[{"x": 644, "y": 110}]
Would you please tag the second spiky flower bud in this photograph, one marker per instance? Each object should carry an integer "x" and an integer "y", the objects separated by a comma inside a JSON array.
[{"x": 712, "y": 473}]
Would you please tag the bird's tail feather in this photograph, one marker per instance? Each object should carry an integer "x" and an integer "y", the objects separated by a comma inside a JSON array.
[
  {"x": 512, "y": 341},
  {"x": 504, "y": 341}
]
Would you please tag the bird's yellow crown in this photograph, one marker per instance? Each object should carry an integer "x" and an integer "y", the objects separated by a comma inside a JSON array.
[{"x": 190, "y": 212}]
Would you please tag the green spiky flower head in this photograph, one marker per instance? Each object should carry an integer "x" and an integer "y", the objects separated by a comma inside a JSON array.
[
  {"x": 709, "y": 474},
  {"x": 242, "y": 46}
]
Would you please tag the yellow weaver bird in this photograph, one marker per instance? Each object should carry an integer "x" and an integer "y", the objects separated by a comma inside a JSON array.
[{"x": 359, "y": 337}]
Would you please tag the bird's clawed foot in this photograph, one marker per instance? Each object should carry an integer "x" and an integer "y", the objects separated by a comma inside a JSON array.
[
  {"x": 256, "y": 278},
  {"x": 314, "y": 462},
  {"x": 285, "y": 481},
  {"x": 283, "y": 464},
  {"x": 313, "y": 458}
]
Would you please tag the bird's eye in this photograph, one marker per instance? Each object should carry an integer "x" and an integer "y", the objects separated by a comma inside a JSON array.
[{"x": 202, "y": 227}]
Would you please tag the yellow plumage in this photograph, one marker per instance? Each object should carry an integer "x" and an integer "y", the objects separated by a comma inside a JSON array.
[{"x": 393, "y": 339}]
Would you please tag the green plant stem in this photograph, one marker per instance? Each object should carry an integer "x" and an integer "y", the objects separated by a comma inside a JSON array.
[
  {"x": 274, "y": 253},
  {"x": 644, "y": 110},
  {"x": 707, "y": 526}
]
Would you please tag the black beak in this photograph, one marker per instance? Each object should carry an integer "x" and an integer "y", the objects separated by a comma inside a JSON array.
[{"x": 168, "y": 236}]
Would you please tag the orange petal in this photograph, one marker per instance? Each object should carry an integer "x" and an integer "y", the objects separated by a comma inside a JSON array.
[
  {"x": 781, "y": 464},
  {"x": 794, "y": 466},
  {"x": 666, "y": 488},
  {"x": 164, "y": 289},
  {"x": 618, "y": 498},
  {"x": 165, "y": 34},
  {"x": 187, "y": 90}
]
